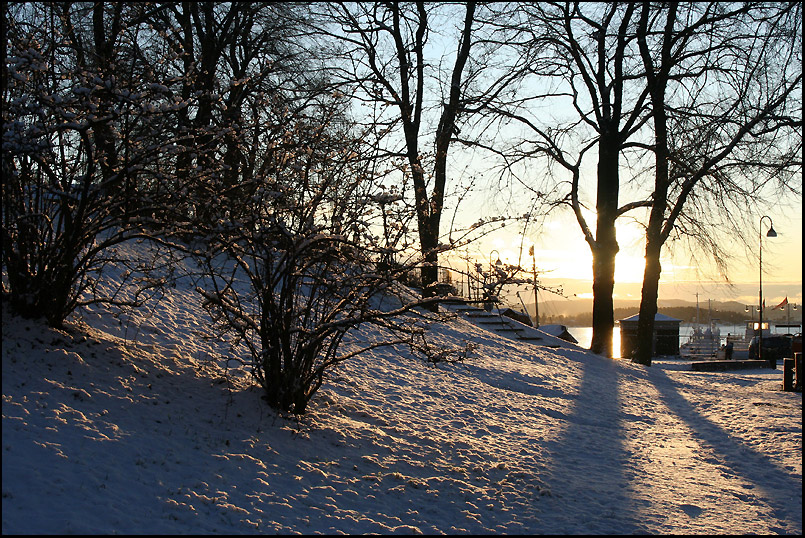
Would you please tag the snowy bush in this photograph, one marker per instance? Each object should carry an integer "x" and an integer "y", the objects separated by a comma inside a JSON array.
[
  {"x": 301, "y": 262},
  {"x": 83, "y": 136},
  {"x": 290, "y": 298}
]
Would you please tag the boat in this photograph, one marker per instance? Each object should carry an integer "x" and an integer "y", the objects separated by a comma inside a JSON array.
[{"x": 702, "y": 343}]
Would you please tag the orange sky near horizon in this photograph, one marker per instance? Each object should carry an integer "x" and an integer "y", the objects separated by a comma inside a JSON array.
[{"x": 564, "y": 259}]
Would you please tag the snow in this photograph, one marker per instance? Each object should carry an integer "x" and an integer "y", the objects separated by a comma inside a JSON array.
[{"x": 129, "y": 424}]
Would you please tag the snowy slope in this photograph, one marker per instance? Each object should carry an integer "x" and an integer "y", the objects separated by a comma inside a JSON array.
[{"x": 130, "y": 425}]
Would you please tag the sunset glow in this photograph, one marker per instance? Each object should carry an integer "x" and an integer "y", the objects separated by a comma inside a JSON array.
[{"x": 564, "y": 258}]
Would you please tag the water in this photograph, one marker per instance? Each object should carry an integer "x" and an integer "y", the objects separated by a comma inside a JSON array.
[{"x": 585, "y": 334}]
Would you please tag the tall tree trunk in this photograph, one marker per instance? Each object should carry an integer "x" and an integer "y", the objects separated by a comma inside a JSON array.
[
  {"x": 429, "y": 242},
  {"x": 603, "y": 305},
  {"x": 430, "y": 221},
  {"x": 606, "y": 246},
  {"x": 654, "y": 242},
  {"x": 648, "y": 303},
  {"x": 657, "y": 79}
]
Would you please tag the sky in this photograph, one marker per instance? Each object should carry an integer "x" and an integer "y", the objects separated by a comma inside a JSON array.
[
  {"x": 132, "y": 423},
  {"x": 563, "y": 259}
]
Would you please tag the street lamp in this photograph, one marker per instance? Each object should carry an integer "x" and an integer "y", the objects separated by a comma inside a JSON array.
[
  {"x": 534, "y": 270},
  {"x": 751, "y": 308},
  {"x": 497, "y": 263},
  {"x": 770, "y": 233},
  {"x": 788, "y": 308},
  {"x": 487, "y": 289}
]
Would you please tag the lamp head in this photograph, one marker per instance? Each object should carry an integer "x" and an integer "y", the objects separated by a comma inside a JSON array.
[{"x": 771, "y": 232}]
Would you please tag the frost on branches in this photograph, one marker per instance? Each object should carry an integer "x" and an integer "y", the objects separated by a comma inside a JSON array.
[
  {"x": 298, "y": 264},
  {"x": 87, "y": 156}
]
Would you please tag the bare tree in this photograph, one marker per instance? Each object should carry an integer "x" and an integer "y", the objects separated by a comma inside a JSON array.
[
  {"x": 297, "y": 267},
  {"x": 725, "y": 83},
  {"x": 387, "y": 65},
  {"x": 229, "y": 57},
  {"x": 583, "y": 60}
]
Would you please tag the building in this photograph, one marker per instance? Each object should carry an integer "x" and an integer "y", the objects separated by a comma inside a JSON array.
[
  {"x": 666, "y": 335},
  {"x": 559, "y": 331}
]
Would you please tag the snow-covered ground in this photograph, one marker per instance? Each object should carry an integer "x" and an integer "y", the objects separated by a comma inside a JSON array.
[{"x": 130, "y": 426}]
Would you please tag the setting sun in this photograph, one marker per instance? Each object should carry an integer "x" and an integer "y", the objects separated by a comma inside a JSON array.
[
  {"x": 567, "y": 259},
  {"x": 563, "y": 258}
]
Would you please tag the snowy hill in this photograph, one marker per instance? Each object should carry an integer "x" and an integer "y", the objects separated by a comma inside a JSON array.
[{"x": 131, "y": 425}]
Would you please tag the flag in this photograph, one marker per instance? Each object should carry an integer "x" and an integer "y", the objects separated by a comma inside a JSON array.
[{"x": 782, "y": 305}]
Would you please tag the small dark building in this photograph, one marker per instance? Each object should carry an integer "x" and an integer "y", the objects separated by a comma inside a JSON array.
[
  {"x": 559, "y": 331},
  {"x": 519, "y": 316},
  {"x": 666, "y": 335}
]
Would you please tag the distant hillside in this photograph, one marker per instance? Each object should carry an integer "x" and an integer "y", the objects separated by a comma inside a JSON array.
[{"x": 579, "y": 311}]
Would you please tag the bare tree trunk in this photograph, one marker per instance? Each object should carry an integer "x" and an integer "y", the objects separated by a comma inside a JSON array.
[
  {"x": 603, "y": 306},
  {"x": 654, "y": 242},
  {"x": 657, "y": 80},
  {"x": 444, "y": 135},
  {"x": 389, "y": 42},
  {"x": 648, "y": 303},
  {"x": 606, "y": 247}
]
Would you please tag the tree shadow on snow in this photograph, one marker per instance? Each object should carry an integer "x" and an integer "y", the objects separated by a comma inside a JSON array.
[
  {"x": 589, "y": 457},
  {"x": 774, "y": 486}
]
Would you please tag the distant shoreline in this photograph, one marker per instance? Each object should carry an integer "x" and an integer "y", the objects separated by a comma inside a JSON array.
[{"x": 584, "y": 334}]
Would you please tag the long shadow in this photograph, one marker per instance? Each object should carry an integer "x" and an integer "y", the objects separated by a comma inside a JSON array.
[
  {"x": 774, "y": 486},
  {"x": 588, "y": 460}
]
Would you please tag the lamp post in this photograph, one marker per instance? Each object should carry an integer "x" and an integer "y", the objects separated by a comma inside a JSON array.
[
  {"x": 534, "y": 269},
  {"x": 487, "y": 289},
  {"x": 788, "y": 308},
  {"x": 770, "y": 233},
  {"x": 497, "y": 263},
  {"x": 751, "y": 309}
]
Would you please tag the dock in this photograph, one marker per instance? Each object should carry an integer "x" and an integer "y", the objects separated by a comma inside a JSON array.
[{"x": 721, "y": 366}]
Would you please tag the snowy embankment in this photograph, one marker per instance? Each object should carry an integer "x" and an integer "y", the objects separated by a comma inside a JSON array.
[{"x": 131, "y": 426}]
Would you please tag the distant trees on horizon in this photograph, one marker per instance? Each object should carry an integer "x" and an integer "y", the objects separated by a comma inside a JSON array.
[{"x": 686, "y": 313}]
